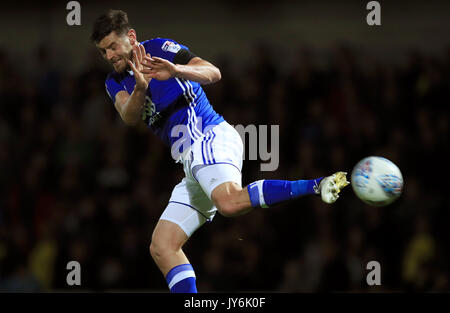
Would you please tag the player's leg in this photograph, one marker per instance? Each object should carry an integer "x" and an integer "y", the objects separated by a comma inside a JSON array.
[
  {"x": 232, "y": 200},
  {"x": 167, "y": 240},
  {"x": 217, "y": 164},
  {"x": 166, "y": 250},
  {"x": 187, "y": 210}
]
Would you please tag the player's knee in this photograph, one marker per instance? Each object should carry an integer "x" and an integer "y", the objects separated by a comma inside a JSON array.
[
  {"x": 160, "y": 248},
  {"x": 156, "y": 251},
  {"x": 227, "y": 203},
  {"x": 227, "y": 209}
]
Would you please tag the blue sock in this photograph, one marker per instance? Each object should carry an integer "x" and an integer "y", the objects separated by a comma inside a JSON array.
[
  {"x": 265, "y": 193},
  {"x": 181, "y": 279}
]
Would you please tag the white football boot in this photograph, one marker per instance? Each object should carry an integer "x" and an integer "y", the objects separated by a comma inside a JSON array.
[{"x": 330, "y": 186}]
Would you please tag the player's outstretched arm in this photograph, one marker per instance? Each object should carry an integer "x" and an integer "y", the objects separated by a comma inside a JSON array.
[{"x": 197, "y": 69}]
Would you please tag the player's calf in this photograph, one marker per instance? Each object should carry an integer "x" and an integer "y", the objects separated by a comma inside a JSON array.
[
  {"x": 232, "y": 200},
  {"x": 266, "y": 193}
]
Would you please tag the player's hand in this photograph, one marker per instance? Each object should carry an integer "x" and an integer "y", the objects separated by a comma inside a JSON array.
[
  {"x": 142, "y": 79},
  {"x": 158, "y": 68}
]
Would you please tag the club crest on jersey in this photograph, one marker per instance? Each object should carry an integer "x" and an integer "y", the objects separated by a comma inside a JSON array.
[
  {"x": 149, "y": 114},
  {"x": 170, "y": 47}
]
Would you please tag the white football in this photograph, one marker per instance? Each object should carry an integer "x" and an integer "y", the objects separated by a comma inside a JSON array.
[{"x": 377, "y": 181}]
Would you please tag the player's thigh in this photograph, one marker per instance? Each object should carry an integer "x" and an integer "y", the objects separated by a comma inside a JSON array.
[
  {"x": 228, "y": 191},
  {"x": 222, "y": 184},
  {"x": 189, "y": 207},
  {"x": 217, "y": 159},
  {"x": 210, "y": 177}
]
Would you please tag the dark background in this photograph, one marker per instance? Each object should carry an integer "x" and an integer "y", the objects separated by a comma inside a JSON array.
[{"x": 77, "y": 184}]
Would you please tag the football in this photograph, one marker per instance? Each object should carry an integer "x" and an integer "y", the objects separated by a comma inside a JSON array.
[{"x": 377, "y": 181}]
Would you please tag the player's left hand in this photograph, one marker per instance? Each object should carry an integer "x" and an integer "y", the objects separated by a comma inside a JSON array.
[{"x": 158, "y": 68}]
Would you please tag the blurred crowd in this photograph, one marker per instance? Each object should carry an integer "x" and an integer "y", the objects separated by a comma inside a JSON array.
[{"x": 77, "y": 184}]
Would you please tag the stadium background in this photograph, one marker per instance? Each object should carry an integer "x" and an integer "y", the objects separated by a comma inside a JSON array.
[{"x": 76, "y": 184}]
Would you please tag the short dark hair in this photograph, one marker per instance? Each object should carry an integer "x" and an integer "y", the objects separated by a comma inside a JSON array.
[{"x": 112, "y": 20}]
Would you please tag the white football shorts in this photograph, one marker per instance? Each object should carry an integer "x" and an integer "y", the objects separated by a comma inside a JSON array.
[{"x": 213, "y": 159}]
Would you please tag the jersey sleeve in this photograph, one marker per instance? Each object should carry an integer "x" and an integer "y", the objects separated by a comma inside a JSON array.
[
  {"x": 170, "y": 50},
  {"x": 113, "y": 87}
]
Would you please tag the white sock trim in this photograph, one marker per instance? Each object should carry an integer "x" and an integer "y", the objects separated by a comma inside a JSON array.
[{"x": 180, "y": 276}]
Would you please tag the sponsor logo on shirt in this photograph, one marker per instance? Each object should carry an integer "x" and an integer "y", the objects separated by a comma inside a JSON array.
[{"x": 170, "y": 46}]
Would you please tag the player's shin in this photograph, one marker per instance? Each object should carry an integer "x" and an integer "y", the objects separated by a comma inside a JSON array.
[{"x": 265, "y": 193}]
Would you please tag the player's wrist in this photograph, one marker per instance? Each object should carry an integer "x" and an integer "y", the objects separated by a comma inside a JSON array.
[
  {"x": 177, "y": 71},
  {"x": 141, "y": 86}
]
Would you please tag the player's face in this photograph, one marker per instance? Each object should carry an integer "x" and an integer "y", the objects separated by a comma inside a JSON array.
[{"x": 117, "y": 50}]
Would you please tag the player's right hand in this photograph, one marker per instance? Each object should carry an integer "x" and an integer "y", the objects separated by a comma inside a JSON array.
[{"x": 142, "y": 80}]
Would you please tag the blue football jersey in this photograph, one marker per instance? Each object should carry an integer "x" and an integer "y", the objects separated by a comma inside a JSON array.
[{"x": 171, "y": 102}]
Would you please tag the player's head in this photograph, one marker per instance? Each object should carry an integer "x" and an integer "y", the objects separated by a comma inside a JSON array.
[{"x": 114, "y": 37}]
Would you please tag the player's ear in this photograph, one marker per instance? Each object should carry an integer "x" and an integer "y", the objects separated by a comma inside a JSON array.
[{"x": 132, "y": 36}]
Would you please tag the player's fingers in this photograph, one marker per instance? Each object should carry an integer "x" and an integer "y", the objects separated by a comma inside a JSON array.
[
  {"x": 147, "y": 61},
  {"x": 155, "y": 65},
  {"x": 133, "y": 68},
  {"x": 153, "y": 75},
  {"x": 146, "y": 66},
  {"x": 152, "y": 61},
  {"x": 141, "y": 52},
  {"x": 135, "y": 57},
  {"x": 158, "y": 65},
  {"x": 148, "y": 71},
  {"x": 148, "y": 58},
  {"x": 136, "y": 62},
  {"x": 159, "y": 60},
  {"x": 136, "y": 54}
]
